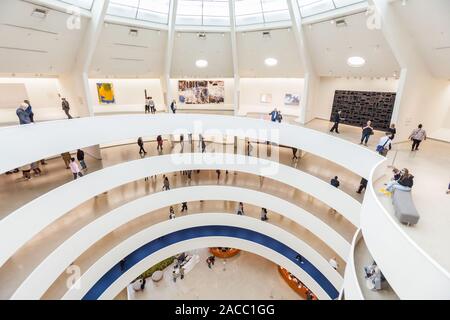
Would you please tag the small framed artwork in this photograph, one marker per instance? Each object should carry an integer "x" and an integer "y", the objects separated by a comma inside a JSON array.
[
  {"x": 105, "y": 93},
  {"x": 266, "y": 98},
  {"x": 292, "y": 99}
]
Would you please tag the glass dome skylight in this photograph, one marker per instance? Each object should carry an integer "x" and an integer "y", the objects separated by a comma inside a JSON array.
[
  {"x": 203, "y": 13},
  {"x": 312, "y": 7},
  {"x": 84, "y": 4},
  {"x": 249, "y": 12},
  {"x": 156, "y": 11}
]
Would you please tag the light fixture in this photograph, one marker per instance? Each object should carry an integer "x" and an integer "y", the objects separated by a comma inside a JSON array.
[
  {"x": 271, "y": 62},
  {"x": 356, "y": 61},
  {"x": 39, "y": 13},
  {"x": 201, "y": 63}
]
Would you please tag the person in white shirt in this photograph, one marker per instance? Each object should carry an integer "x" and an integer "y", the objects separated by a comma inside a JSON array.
[
  {"x": 75, "y": 169},
  {"x": 151, "y": 104},
  {"x": 333, "y": 263},
  {"x": 384, "y": 144}
]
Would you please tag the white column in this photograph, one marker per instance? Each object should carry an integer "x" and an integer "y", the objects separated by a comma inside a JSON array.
[
  {"x": 311, "y": 80},
  {"x": 234, "y": 54},
  {"x": 165, "y": 81},
  {"x": 75, "y": 84}
]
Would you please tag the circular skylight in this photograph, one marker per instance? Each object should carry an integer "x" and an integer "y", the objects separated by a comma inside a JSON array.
[
  {"x": 201, "y": 63},
  {"x": 271, "y": 62},
  {"x": 356, "y": 62}
]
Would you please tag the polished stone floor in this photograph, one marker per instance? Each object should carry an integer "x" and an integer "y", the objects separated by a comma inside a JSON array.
[{"x": 242, "y": 277}]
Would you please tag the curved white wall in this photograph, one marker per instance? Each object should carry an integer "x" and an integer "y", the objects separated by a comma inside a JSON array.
[
  {"x": 351, "y": 284},
  {"x": 105, "y": 263},
  {"x": 65, "y": 135},
  {"x": 410, "y": 271},
  {"x": 21, "y": 225},
  {"x": 48, "y": 270}
]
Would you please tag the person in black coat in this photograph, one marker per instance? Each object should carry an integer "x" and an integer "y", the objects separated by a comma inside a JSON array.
[
  {"x": 335, "y": 182},
  {"x": 362, "y": 185},
  {"x": 393, "y": 132},
  {"x": 337, "y": 119}
]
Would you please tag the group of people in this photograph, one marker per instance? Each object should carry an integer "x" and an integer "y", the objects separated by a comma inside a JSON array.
[
  {"x": 385, "y": 143},
  {"x": 401, "y": 180},
  {"x": 26, "y": 115},
  {"x": 276, "y": 116},
  {"x": 72, "y": 164}
]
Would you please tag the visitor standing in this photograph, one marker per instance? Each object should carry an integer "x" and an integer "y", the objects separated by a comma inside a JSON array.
[
  {"x": 173, "y": 106},
  {"x": 75, "y": 169},
  {"x": 147, "y": 105},
  {"x": 166, "y": 184},
  {"x": 240, "y": 209},
  {"x": 66, "y": 107},
  {"x": 151, "y": 104},
  {"x": 362, "y": 185},
  {"x": 184, "y": 207},
  {"x": 393, "y": 132},
  {"x": 264, "y": 214},
  {"x": 384, "y": 144},
  {"x": 417, "y": 136},
  {"x": 66, "y": 158},
  {"x": 279, "y": 117},
  {"x": 29, "y": 110},
  {"x": 367, "y": 131},
  {"x": 218, "y": 174},
  {"x": 294, "y": 153},
  {"x": 335, "y": 182},
  {"x": 171, "y": 213},
  {"x": 182, "y": 141},
  {"x": 274, "y": 115},
  {"x": 159, "y": 141},
  {"x": 22, "y": 114},
  {"x": 80, "y": 158}
]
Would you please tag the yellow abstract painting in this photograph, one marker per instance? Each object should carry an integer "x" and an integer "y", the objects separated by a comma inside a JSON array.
[{"x": 105, "y": 93}]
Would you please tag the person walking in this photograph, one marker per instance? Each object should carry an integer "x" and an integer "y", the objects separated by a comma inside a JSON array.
[
  {"x": 294, "y": 153},
  {"x": 393, "y": 132},
  {"x": 264, "y": 214},
  {"x": 336, "y": 119},
  {"x": 240, "y": 209},
  {"x": 22, "y": 114},
  {"x": 66, "y": 107},
  {"x": 173, "y": 106},
  {"x": 384, "y": 144},
  {"x": 218, "y": 174},
  {"x": 159, "y": 141},
  {"x": 140, "y": 143},
  {"x": 184, "y": 207},
  {"x": 171, "y": 213},
  {"x": 203, "y": 145},
  {"x": 210, "y": 261},
  {"x": 182, "y": 141},
  {"x": 35, "y": 167},
  {"x": 417, "y": 136},
  {"x": 66, "y": 158},
  {"x": 362, "y": 185},
  {"x": 166, "y": 184},
  {"x": 249, "y": 148},
  {"x": 367, "y": 131},
  {"x": 75, "y": 169},
  {"x": 274, "y": 115},
  {"x": 80, "y": 158}
]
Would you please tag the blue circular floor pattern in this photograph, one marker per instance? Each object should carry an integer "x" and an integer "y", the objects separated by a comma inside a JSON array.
[{"x": 208, "y": 231}]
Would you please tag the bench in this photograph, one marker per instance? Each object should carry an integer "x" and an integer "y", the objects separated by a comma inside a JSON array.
[{"x": 404, "y": 207}]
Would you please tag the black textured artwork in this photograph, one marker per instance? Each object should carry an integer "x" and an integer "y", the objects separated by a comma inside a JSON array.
[{"x": 359, "y": 106}]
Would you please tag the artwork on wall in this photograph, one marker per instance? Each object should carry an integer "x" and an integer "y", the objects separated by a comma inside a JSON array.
[
  {"x": 360, "y": 106},
  {"x": 292, "y": 99},
  {"x": 105, "y": 93},
  {"x": 201, "y": 91},
  {"x": 265, "y": 98}
]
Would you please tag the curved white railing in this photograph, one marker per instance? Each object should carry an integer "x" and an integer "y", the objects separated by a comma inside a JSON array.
[
  {"x": 352, "y": 289},
  {"x": 410, "y": 271},
  {"x": 21, "y": 225},
  {"x": 64, "y": 135},
  {"x": 48, "y": 271},
  {"x": 105, "y": 263}
]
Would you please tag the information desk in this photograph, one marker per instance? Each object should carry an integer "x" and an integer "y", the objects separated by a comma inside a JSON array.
[
  {"x": 224, "y": 252},
  {"x": 296, "y": 284}
]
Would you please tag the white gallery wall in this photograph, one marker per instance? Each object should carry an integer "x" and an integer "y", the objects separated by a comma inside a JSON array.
[
  {"x": 252, "y": 88},
  {"x": 323, "y": 101},
  {"x": 437, "y": 118},
  {"x": 129, "y": 94},
  {"x": 43, "y": 96},
  {"x": 229, "y": 96}
]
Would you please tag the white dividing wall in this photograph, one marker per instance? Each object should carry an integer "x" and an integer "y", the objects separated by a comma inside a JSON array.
[
  {"x": 129, "y": 94},
  {"x": 438, "y": 121},
  {"x": 328, "y": 85},
  {"x": 229, "y": 95},
  {"x": 43, "y": 96},
  {"x": 252, "y": 88}
]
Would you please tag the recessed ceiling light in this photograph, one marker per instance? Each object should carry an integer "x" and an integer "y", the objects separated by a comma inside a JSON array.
[
  {"x": 271, "y": 62},
  {"x": 356, "y": 61},
  {"x": 201, "y": 63}
]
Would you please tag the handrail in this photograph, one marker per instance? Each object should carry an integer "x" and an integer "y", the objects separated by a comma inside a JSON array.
[
  {"x": 352, "y": 287},
  {"x": 21, "y": 225}
]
